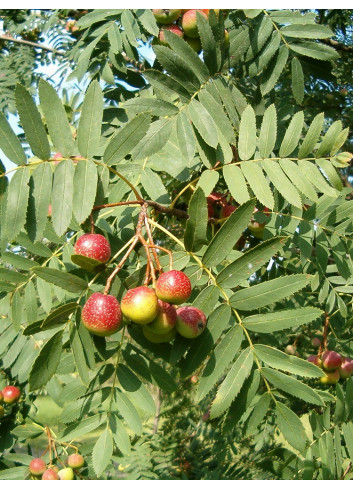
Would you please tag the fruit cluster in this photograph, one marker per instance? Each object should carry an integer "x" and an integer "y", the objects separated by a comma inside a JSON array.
[
  {"x": 8, "y": 396},
  {"x": 334, "y": 365},
  {"x": 40, "y": 470},
  {"x": 183, "y": 23}
]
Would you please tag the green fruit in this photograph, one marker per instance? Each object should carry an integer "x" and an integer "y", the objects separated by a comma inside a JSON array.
[
  {"x": 140, "y": 305},
  {"x": 195, "y": 44},
  {"x": 166, "y": 15},
  {"x": 256, "y": 229},
  {"x": 158, "y": 338},
  {"x": 191, "y": 321},
  {"x": 66, "y": 474},
  {"x": 189, "y": 22},
  {"x": 165, "y": 319}
]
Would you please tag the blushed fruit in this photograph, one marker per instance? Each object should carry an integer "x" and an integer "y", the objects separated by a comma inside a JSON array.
[
  {"x": 346, "y": 368},
  {"x": 316, "y": 341},
  {"x": 189, "y": 22},
  {"x": 256, "y": 229},
  {"x": 173, "y": 287},
  {"x": 227, "y": 210},
  {"x": 1, "y": 397},
  {"x": 66, "y": 474},
  {"x": 37, "y": 466},
  {"x": 76, "y": 461},
  {"x": 166, "y": 15},
  {"x": 11, "y": 394},
  {"x": 101, "y": 314},
  {"x": 140, "y": 305},
  {"x": 175, "y": 29},
  {"x": 50, "y": 475},
  {"x": 210, "y": 210},
  {"x": 315, "y": 360},
  {"x": 191, "y": 321},
  {"x": 165, "y": 319},
  {"x": 331, "y": 360},
  {"x": 93, "y": 246},
  {"x": 195, "y": 43},
  {"x": 158, "y": 338},
  {"x": 330, "y": 378}
]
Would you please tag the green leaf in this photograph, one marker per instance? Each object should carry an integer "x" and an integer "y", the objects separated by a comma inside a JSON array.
[
  {"x": 156, "y": 107},
  {"x": 263, "y": 58},
  {"x": 308, "y": 31},
  {"x": 14, "y": 473},
  {"x": 155, "y": 139},
  {"x": 274, "y": 70},
  {"x": 268, "y": 292},
  {"x": 247, "y": 134},
  {"x": 253, "y": 173},
  {"x": 56, "y": 118},
  {"x": 41, "y": 180},
  {"x": 295, "y": 175},
  {"x": 79, "y": 354},
  {"x": 329, "y": 139},
  {"x": 153, "y": 185},
  {"x": 208, "y": 181},
  {"x": 46, "y": 363},
  {"x": 282, "y": 183},
  {"x": 30, "y": 302},
  {"x": 279, "y": 320},
  {"x": 114, "y": 37},
  {"x": 196, "y": 226},
  {"x": 135, "y": 390},
  {"x": 292, "y": 135},
  {"x": 32, "y": 124},
  {"x": 89, "y": 129},
  {"x": 204, "y": 123},
  {"x": 167, "y": 84},
  {"x": 312, "y": 136},
  {"x": 209, "y": 47},
  {"x": 224, "y": 240},
  {"x": 185, "y": 137},
  {"x": 82, "y": 427},
  {"x": 268, "y": 133},
  {"x": 124, "y": 406},
  {"x": 62, "y": 196},
  {"x": 120, "y": 436},
  {"x": 45, "y": 294},
  {"x": 217, "y": 113},
  {"x": 219, "y": 360},
  {"x": 147, "y": 19},
  {"x": 85, "y": 188},
  {"x": 331, "y": 173},
  {"x": 315, "y": 50},
  {"x": 289, "y": 363},
  {"x": 347, "y": 429},
  {"x": 236, "y": 183},
  {"x": 291, "y": 427},
  {"x": 102, "y": 452},
  {"x": 250, "y": 261},
  {"x": 59, "y": 316},
  {"x": 17, "y": 201},
  {"x": 297, "y": 81},
  {"x": 292, "y": 386},
  {"x": 61, "y": 279},
  {"x": 314, "y": 175},
  {"x": 232, "y": 384},
  {"x": 10, "y": 144}
]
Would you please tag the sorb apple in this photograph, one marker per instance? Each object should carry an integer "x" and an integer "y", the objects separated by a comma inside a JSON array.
[
  {"x": 346, "y": 368},
  {"x": 11, "y": 394},
  {"x": 76, "y": 461},
  {"x": 1, "y": 397},
  {"x": 315, "y": 360},
  {"x": 330, "y": 378},
  {"x": 101, "y": 314},
  {"x": 140, "y": 305},
  {"x": 227, "y": 210},
  {"x": 2, "y": 411},
  {"x": 175, "y": 29},
  {"x": 93, "y": 246},
  {"x": 189, "y": 22},
  {"x": 191, "y": 321},
  {"x": 50, "y": 475},
  {"x": 173, "y": 287},
  {"x": 158, "y": 338},
  {"x": 165, "y": 319},
  {"x": 166, "y": 15},
  {"x": 66, "y": 474},
  {"x": 37, "y": 466},
  {"x": 331, "y": 360}
]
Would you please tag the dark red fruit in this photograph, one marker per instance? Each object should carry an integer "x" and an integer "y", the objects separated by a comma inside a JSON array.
[
  {"x": 11, "y": 394},
  {"x": 37, "y": 466},
  {"x": 191, "y": 321},
  {"x": 93, "y": 246},
  {"x": 227, "y": 210},
  {"x": 331, "y": 360},
  {"x": 173, "y": 287},
  {"x": 101, "y": 314}
]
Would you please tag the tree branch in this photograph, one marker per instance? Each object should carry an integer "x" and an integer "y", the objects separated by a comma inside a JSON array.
[
  {"x": 30, "y": 43},
  {"x": 337, "y": 45}
]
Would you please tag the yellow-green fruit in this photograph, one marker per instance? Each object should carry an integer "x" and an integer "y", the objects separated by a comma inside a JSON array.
[
  {"x": 140, "y": 305},
  {"x": 195, "y": 44},
  {"x": 330, "y": 378},
  {"x": 66, "y": 474},
  {"x": 76, "y": 461},
  {"x": 165, "y": 319},
  {"x": 166, "y": 15},
  {"x": 2, "y": 411},
  {"x": 158, "y": 338}
]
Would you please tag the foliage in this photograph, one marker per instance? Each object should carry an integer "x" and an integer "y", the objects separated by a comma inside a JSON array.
[{"x": 134, "y": 159}]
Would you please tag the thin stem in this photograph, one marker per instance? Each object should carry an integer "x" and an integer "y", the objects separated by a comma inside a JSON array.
[
  {"x": 30, "y": 43},
  {"x": 119, "y": 267},
  {"x": 152, "y": 245}
]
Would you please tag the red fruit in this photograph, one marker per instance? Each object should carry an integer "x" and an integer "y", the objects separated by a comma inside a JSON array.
[
  {"x": 173, "y": 287},
  {"x": 165, "y": 319},
  {"x": 50, "y": 475},
  {"x": 11, "y": 394},
  {"x": 37, "y": 466},
  {"x": 330, "y": 377},
  {"x": 101, "y": 314},
  {"x": 191, "y": 321},
  {"x": 166, "y": 15},
  {"x": 140, "y": 305},
  {"x": 227, "y": 210},
  {"x": 316, "y": 341},
  {"x": 346, "y": 368},
  {"x": 315, "y": 360},
  {"x": 76, "y": 461},
  {"x": 217, "y": 198},
  {"x": 331, "y": 360},
  {"x": 210, "y": 210},
  {"x": 93, "y": 246},
  {"x": 189, "y": 22},
  {"x": 175, "y": 29}
]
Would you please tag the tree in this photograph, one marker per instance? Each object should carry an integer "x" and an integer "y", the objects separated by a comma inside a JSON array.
[{"x": 218, "y": 163}]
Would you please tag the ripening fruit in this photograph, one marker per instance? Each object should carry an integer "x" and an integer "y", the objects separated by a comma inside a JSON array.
[
  {"x": 315, "y": 360},
  {"x": 158, "y": 338},
  {"x": 330, "y": 378},
  {"x": 256, "y": 229},
  {"x": 166, "y": 15},
  {"x": 189, "y": 23},
  {"x": 316, "y": 341},
  {"x": 2, "y": 411},
  {"x": 93, "y": 246},
  {"x": 217, "y": 198},
  {"x": 76, "y": 461},
  {"x": 1, "y": 397},
  {"x": 50, "y": 475},
  {"x": 165, "y": 319},
  {"x": 37, "y": 466},
  {"x": 290, "y": 350},
  {"x": 331, "y": 360},
  {"x": 101, "y": 314},
  {"x": 11, "y": 394},
  {"x": 195, "y": 44},
  {"x": 191, "y": 321},
  {"x": 173, "y": 287},
  {"x": 346, "y": 368},
  {"x": 140, "y": 305},
  {"x": 226, "y": 38},
  {"x": 66, "y": 474},
  {"x": 175, "y": 29},
  {"x": 227, "y": 210}
]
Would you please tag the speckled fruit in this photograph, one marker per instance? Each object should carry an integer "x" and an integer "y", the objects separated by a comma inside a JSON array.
[
  {"x": 191, "y": 321},
  {"x": 315, "y": 360},
  {"x": 101, "y": 314},
  {"x": 66, "y": 474},
  {"x": 165, "y": 319},
  {"x": 175, "y": 29},
  {"x": 1, "y": 397},
  {"x": 158, "y": 338},
  {"x": 173, "y": 287},
  {"x": 166, "y": 15},
  {"x": 11, "y": 394},
  {"x": 76, "y": 461},
  {"x": 37, "y": 466},
  {"x": 50, "y": 475},
  {"x": 331, "y": 360},
  {"x": 330, "y": 378},
  {"x": 189, "y": 22},
  {"x": 346, "y": 368},
  {"x": 93, "y": 246},
  {"x": 140, "y": 305}
]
